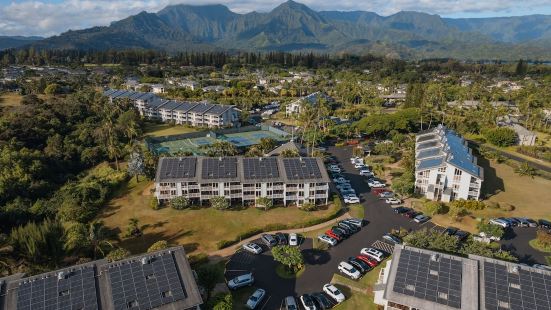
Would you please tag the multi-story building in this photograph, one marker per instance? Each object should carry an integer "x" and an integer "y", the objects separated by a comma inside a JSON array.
[
  {"x": 242, "y": 180},
  {"x": 197, "y": 114},
  {"x": 445, "y": 168},
  {"x": 422, "y": 279},
  {"x": 160, "y": 280}
]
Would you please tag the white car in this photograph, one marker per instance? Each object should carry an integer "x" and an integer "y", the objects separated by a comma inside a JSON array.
[
  {"x": 366, "y": 173},
  {"x": 376, "y": 184},
  {"x": 336, "y": 170},
  {"x": 349, "y": 270},
  {"x": 252, "y": 247},
  {"x": 256, "y": 298},
  {"x": 375, "y": 254},
  {"x": 393, "y": 201},
  {"x": 351, "y": 199},
  {"x": 327, "y": 239},
  {"x": 499, "y": 222},
  {"x": 333, "y": 292},
  {"x": 293, "y": 239},
  {"x": 343, "y": 186},
  {"x": 354, "y": 159},
  {"x": 341, "y": 180},
  {"x": 358, "y": 165}
]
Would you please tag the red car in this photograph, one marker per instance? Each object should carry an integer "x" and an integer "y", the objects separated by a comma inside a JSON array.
[
  {"x": 377, "y": 191},
  {"x": 332, "y": 235},
  {"x": 371, "y": 262}
]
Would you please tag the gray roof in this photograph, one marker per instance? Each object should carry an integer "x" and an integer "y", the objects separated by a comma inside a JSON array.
[
  {"x": 427, "y": 145},
  {"x": 241, "y": 169},
  {"x": 185, "y": 106},
  {"x": 161, "y": 280},
  {"x": 291, "y": 145},
  {"x": 428, "y": 153},
  {"x": 202, "y": 107},
  {"x": 430, "y": 163},
  {"x": 171, "y": 105}
]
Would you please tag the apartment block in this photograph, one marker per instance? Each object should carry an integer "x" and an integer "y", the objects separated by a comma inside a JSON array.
[
  {"x": 242, "y": 180},
  {"x": 445, "y": 168},
  {"x": 196, "y": 114}
]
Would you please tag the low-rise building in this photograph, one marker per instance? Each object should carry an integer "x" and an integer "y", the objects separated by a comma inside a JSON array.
[
  {"x": 160, "y": 280},
  {"x": 524, "y": 136},
  {"x": 445, "y": 168},
  {"x": 242, "y": 180},
  {"x": 423, "y": 279},
  {"x": 295, "y": 107}
]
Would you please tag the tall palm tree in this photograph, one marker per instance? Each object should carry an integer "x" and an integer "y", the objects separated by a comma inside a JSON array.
[{"x": 98, "y": 238}]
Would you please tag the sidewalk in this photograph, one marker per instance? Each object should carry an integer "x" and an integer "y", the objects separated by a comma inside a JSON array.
[{"x": 226, "y": 252}]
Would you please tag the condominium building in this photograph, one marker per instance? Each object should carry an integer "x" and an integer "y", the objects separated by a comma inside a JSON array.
[
  {"x": 423, "y": 279},
  {"x": 445, "y": 168},
  {"x": 197, "y": 114},
  {"x": 242, "y": 180},
  {"x": 160, "y": 280}
]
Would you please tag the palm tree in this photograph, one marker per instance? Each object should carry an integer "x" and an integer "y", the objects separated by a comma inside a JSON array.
[{"x": 98, "y": 238}]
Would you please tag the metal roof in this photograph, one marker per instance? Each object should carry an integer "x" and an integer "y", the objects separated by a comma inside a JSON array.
[
  {"x": 430, "y": 163},
  {"x": 202, "y": 107},
  {"x": 170, "y": 105},
  {"x": 428, "y": 153}
]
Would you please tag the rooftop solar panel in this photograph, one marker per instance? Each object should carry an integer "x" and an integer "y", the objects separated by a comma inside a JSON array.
[
  {"x": 430, "y": 163},
  {"x": 426, "y": 138},
  {"x": 177, "y": 168},
  {"x": 260, "y": 168},
  {"x": 219, "y": 168},
  {"x": 301, "y": 168},
  {"x": 202, "y": 107},
  {"x": 427, "y": 145},
  {"x": 218, "y": 109}
]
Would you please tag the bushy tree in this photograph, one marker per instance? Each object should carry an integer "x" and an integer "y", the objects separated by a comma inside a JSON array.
[
  {"x": 264, "y": 202},
  {"x": 136, "y": 166},
  {"x": 39, "y": 242},
  {"x": 207, "y": 276},
  {"x": 220, "y": 149},
  {"x": 491, "y": 230},
  {"x": 525, "y": 169},
  {"x": 544, "y": 238},
  {"x": 434, "y": 207},
  {"x": 501, "y": 136},
  {"x": 117, "y": 254},
  {"x": 220, "y": 203},
  {"x": 467, "y": 204},
  {"x": 404, "y": 184},
  {"x": 157, "y": 246},
  {"x": 308, "y": 206},
  {"x": 221, "y": 302},
  {"x": 290, "y": 256},
  {"x": 456, "y": 212},
  {"x": 180, "y": 203}
]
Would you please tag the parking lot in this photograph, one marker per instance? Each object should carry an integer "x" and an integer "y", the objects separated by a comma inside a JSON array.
[{"x": 321, "y": 265}]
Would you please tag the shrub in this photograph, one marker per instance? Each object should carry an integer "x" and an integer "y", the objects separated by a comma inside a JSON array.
[
  {"x": 222, "y": 301},
  {"x": 468, "y": 204},
  {"x": 264, "y": 202},
  {"x": 507, "y": 207},
  {"x": 154, "y": 203},
  {"x": 491, "y": 230},
  {"x": 220, "y": 203},
  {"x": 180, "y": 203},
  {"x": 543, "y": 237},
  {"x": 457, "y": 211},
  {"x": 434, "y": 207},
  {"x": 117, "y": 254},
  {"x": 308, "y": 206},
  {"x": 501, "y": 136},
  {"x": 157, "y": 246},
  {"x": 290, "y": 256}
]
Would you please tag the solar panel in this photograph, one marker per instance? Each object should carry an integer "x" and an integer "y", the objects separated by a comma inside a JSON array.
[
  {"x": 178, "y": 168},
  {"x": 506, "y": 287},
  {"x": 219, "y": 168},
  {"x": 421, "y": 276},
  {"x": 301, "y": 168},
  {"x": 260, "y": 168},
  {"x": 75, "y": 289},
  {"x": 146, "y": 284}
]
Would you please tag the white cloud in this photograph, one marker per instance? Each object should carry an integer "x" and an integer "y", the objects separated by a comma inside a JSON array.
[{"x": 43, "y": 17}]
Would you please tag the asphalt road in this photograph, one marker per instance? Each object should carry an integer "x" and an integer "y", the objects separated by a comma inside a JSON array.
[
  {"x": 321, "y": 265},
  {"x": 519, "y": 159}
]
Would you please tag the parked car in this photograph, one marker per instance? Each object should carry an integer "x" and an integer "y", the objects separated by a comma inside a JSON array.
[
  {"x": 500, "y": 222},
  {"x": 349, "y": 270},
  {"x": 347, "y": 225},
  {"x": 354, "y": 159},
  {"x": 461, "y": 235},
  {"x": 359, "y": 165},
  {"x": 269, "y": 240},
  {"x": 359, "y": 264},
  {"x": 293, "y": 239},
  {"x": 378, "y": 191},
  {"x": 341, "y": 234},
  {"x": 252, "y": 247},
  {"x": 351, "y": 199},
  {"x": 333, "y": 292},
  {"x": 376, "y": 184},
  {"x": 386, "y": 194},
  {"x": 356, "y": 222},
  {"x": 421, "y": 218},
  {"x": 322, "y": 301},
  {"x": 393, "y": 201},
  {"x": 341, "y": 180},
  {"x": 373, "y": 253},
  {"x": 401, "y": 210},
  {"x": 343, "y": 186},
  {"x": 526, "y": 222},
  {"x": 368, "y": 260},
  {"x": 450, "y": 231},
  {"x": 328, "y": 239},
  {"x": 411, "y": 214},
  {"x": 281, "y": 238},
  {"x": 366, "y": 172},
  {"x": 348, "y": 192},
  {"x": 392, "y": 238},
  {"x": 344, "y": 229},
  {"x": 513, "y": 221},
  {"x": 290, "y": 303},
  {"x": 544, "y": 223},
  {"x": 240, "y": 281},
  {"x": 256, "y": 298},
  {"x": 307, "y": 302}
]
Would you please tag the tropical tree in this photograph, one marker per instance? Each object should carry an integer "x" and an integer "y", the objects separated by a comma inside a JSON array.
[
  {"x": 93, "y": 237},
  {"x": 220, "y": 203},
  {"x": 289, "y": 256},
  {"x": 39, "y": 242},
  {"x": 180, "y": 203},
  {"x": 136, "y": 165},
  {"x": 525, "y": 169},
  {"x": 289, "y": 153},
  {"x": 117, "y": 254},
  {"x": 157, "y": 246},
  {"x": 221, "y": 149},
  {"x": 133, "y": 230},
  {"x": 266, "y": 145}
]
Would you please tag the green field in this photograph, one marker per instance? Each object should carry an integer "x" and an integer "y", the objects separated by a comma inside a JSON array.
[{"x": 158, "y": 130}]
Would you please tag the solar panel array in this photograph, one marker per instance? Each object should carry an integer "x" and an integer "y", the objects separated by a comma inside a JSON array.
[
  {"x": 260, "y": 168},
  {"x": 136, "y": 285},
  {"x": 420, "y": 276},
  {"x": 301, "y": 168},
  {"x": 425, "y": 138},
  {"x": 219, "y": 168},
  {"x": 521, "y": 289},
  {"x": 76, "y": 290},
  {"x": 177, "y": 168}
]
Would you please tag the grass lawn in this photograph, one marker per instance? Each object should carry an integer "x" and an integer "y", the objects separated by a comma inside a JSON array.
[
  {"x": 356, "y": 211},
  {"x": 197, "y": 230},
  {"x": 10, "y": 99},
  {"x": 359, "y": 294},
  {"x": 540, "y": 247},
  {"x": 158, "y": 130}
]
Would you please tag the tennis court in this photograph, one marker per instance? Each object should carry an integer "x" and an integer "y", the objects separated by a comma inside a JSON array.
[{"x": 181, "y": 144}]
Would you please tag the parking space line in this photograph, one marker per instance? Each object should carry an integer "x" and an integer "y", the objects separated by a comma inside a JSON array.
[{"x": 266, "y": 302}]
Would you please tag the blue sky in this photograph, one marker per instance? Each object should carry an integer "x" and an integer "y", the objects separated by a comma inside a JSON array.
[{"x": 50, "y": 17}]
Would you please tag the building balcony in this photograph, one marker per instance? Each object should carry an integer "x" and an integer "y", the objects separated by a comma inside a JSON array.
[{"x": 278, "y": 187}]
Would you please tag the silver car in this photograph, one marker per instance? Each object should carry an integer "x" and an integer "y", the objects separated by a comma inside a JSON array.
[
  {"x": 252, "y": 247},
  {"x": 240, "y": 281},
  {"x": 256, "y": 298},
  {"x": 290, "y": 303}
]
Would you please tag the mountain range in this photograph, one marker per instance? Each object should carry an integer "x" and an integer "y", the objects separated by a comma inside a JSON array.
[{"x": 295, "y": 27}]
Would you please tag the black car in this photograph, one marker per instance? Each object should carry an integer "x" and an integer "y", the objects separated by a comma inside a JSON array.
[
  {"x": 514, "y": 222},
  {"x": 461, "y": 235},
  {"x": 322, "y": 301},
  {"x": 346, "y": 229},
  {"x": 450, "y": 231},
  {"x": 307, "y": 301},
  {"x": 281, "y": 238},
  {"x": 401, "y": 210},
  {"x": 362, "y": 266},
  {"x": 339, "y": 232},
  {"x": 544, "y": 223},
  {"x": 352, "y": 228}
]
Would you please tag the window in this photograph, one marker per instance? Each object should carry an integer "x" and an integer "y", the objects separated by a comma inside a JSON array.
[
  {"x": 226, "y": 184},
  {"x": 442, "y": 169},
  {"x": 258, "y": 185},
  {"x": 457, "y": 172}
]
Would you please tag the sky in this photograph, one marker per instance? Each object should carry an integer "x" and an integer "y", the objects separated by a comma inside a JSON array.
[{"x": 51, "y": 17}]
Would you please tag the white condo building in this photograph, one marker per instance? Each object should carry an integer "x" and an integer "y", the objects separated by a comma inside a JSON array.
[{"x": 445, "y": 168}]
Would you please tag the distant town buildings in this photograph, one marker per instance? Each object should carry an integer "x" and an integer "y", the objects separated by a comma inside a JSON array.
[
  {"x": 196, "y": 114},
  {"x": 160, "y": 280},
  {"x": 243, "y": 180},
  {"x": 524, "y": 136},
  {"x": 422, "y": 279},
  {"x": 445, "y": 168}
]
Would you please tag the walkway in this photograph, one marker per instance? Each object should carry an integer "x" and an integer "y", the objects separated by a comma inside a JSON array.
[{"x": 226, "y": 252}]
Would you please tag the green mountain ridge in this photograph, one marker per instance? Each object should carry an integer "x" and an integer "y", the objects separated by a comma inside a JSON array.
[{"x": 294, "y": 27}]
